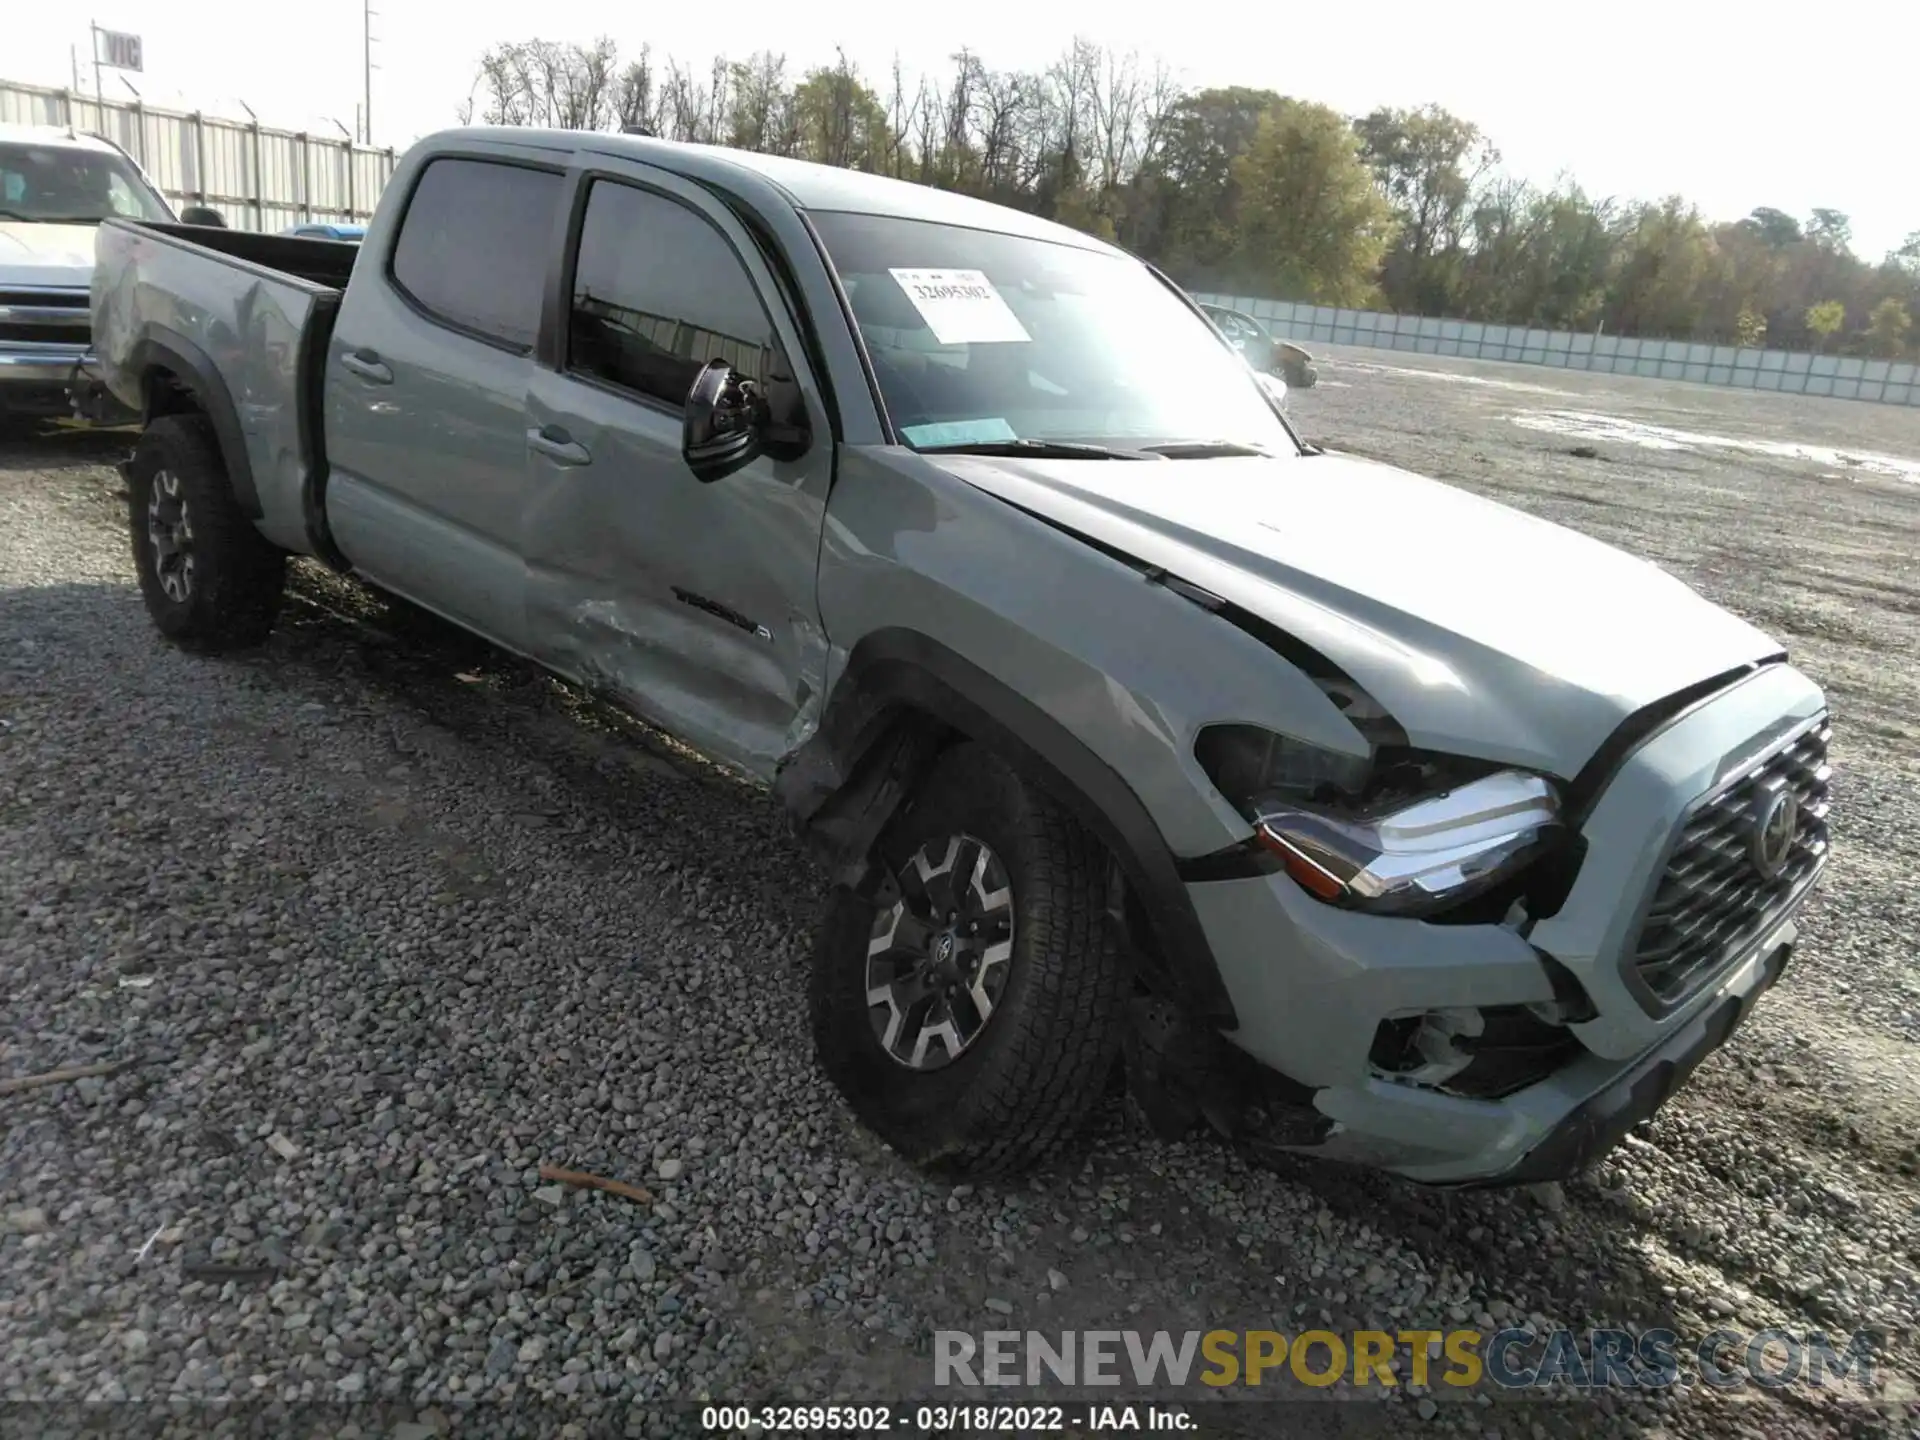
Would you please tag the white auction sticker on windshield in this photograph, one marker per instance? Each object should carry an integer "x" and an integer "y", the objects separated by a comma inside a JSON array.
[{"x": 961, "y": 307}]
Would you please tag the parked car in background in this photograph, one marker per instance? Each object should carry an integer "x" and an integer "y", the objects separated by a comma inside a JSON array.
[
  {"x": 318, "y": 230},
  {"x": 1263, "y": 352},
  {"x": 1362, "y": 815},
  {"x": 56, "y": 185}
]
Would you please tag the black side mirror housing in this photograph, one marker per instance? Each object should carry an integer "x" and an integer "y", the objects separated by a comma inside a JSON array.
[
  {"x": 726, "y": 423},
  {"x": 203, "y": 215}
]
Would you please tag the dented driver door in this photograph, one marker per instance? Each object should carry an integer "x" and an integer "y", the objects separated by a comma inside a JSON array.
[{"x": 693, "y": 604}]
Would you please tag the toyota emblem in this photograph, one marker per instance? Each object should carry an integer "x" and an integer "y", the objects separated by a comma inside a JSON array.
[{"x": 1776, "y": 816}]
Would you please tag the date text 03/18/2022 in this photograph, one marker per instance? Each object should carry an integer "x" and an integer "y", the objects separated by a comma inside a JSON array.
[{"x": 940, "y": 1419}]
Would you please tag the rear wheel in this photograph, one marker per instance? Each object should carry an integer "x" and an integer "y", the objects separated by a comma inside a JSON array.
[
  {"x": 971, "y": 1011},
  {"x": 210, "y": 580}
]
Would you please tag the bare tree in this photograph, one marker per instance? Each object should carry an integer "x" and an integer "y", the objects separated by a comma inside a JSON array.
[
  {"x": 926, "y": 124},
  {"x": 901, "y": 114},
  {"x": 683, "y": 107},
  {"x": 761, "y": 96},
  {"x": 1115, "y": 106},
  {"x": 636, "y": 99},
  {"x": 546, "y": 83}
]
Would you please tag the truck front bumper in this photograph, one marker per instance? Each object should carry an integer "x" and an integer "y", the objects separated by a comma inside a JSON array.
[
  {"x": 34, "y": 378},
  {"x": 1594, "y": 1126},
  {"x": 1317, "y": 988},
  {"x": 55, "y": 382}
]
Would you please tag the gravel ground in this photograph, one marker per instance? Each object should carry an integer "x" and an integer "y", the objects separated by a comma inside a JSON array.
[{"x": 377, "y": 922}]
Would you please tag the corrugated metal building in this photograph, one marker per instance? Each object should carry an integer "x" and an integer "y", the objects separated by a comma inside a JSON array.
[{"x": 260, "y": 178}]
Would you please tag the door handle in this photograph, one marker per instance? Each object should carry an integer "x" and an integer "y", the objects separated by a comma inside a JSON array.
[
  {"x": 558, "y": 446},
  {"x": 368, "y": 366}
]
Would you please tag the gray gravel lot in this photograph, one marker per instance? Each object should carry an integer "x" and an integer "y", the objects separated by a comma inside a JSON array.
[{"x": 378, "y": 921}]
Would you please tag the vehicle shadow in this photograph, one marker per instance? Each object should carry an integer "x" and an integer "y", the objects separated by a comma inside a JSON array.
[
  {"x": 1576, "y": 1252},
  {"x": 61, "y": 444},
  {"x": 1583, "y": 1263}
]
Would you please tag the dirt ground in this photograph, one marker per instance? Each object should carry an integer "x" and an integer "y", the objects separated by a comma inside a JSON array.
[{"x": 538, "y": 937}]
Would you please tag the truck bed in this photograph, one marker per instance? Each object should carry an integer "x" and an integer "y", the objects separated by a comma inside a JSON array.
[
  {"x": 241, "y": 322},
  {"x": 323, "y": 262}
]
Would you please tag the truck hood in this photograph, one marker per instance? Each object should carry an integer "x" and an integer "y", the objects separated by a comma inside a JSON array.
[
  {"x": 1484, "y": 631},
  {"x": 35, "y": 254}
]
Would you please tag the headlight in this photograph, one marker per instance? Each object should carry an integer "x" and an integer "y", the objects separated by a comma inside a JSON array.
[{"x": 1409, "y": 836}]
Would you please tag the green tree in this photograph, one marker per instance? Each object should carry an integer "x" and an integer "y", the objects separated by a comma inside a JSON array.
[
  {"x": 1569, "y": 262},
  {"x": 1192, "y": 182},
  {"x": 1907, "y": 257},
  {"x": 1774, "y": 228},
  {"x": 1830, "y": 230},
  {"x": 1742, "y": 279},
  {"x": 1666, "y": 256},
  {"x": 1428, "y": 162},
  {"x": 1824, "y": 320},
  {"x": 1750, "y": 330},
  {"x": 1887, "y": 327},
  {"x": 837, "y": 120},
  {"x": 1312, "y": 225},
  {"x": 761, "y": 116}
]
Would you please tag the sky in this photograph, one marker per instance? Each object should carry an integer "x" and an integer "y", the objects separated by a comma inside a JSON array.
[{"x": 1728, "y": 106}]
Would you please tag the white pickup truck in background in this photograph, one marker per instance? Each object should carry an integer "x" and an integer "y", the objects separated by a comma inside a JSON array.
[{"x": 56, "y": 186}]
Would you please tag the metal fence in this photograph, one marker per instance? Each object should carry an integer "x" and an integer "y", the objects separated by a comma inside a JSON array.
[
  {"x": 1887, "y": 382},
  {"x": 258, "y": 177}
]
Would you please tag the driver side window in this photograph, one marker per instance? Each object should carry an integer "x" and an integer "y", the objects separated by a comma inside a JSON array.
[{"x": 657, "y": 293}]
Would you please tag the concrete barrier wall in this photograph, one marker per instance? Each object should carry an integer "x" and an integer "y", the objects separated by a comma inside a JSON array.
[{"x": 1888, "y": 382}]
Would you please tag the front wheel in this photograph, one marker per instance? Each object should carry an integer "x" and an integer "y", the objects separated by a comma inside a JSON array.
[
  {"x": 211, "y": 581},
  {"x": 971, "y": 1012}
]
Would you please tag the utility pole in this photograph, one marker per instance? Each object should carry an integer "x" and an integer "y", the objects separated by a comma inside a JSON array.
[
  {"x": 366, "y": 35},
  {"x": 99, "y": 97}
]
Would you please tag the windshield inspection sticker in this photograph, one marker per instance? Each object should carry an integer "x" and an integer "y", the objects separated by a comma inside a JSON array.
[
  {"x": 961, "y": 307},
  {"x": 958, "y": 432}
]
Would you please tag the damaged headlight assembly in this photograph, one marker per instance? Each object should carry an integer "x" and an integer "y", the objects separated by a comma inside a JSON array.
[{"x": 1399, "y": 832}]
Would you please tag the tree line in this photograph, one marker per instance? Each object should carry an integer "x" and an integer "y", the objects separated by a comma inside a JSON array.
[{"x": 1248, "y": 191}]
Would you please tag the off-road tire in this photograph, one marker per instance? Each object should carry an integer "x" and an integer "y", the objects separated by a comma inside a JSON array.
[
  {"x": 238, "y": 577},
  {"x": 1039, "y": 1065}
]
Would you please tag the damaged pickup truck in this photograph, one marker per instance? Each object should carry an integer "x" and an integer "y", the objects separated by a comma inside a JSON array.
[{"x": 1363, "y": 817}]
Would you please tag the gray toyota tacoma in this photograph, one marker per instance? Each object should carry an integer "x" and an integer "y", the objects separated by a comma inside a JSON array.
[{"x": 1346, "y": 812}]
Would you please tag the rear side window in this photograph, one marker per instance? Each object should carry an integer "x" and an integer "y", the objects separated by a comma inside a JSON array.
[
  {"x": 657, "y": 293},
  {"x": 474, "y": 243}
]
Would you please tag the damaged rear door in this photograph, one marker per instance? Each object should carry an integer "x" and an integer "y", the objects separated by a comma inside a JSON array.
[{"x": 692, "y": 603}]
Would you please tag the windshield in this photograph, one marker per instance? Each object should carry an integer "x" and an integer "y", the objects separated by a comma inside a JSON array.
[
  {"x": 979, "y": 338},
  {"x": 69, "y": 184}
]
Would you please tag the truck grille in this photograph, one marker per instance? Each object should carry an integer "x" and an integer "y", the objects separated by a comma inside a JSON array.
[
  {"x": 1714, "y": 899},
  {"x": 47, "y": 317}
]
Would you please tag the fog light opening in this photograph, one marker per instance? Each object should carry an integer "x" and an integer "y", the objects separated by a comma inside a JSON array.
[
  {"x": 1427, "y": 1049},
  {"x": 1474, "y": 1054}
]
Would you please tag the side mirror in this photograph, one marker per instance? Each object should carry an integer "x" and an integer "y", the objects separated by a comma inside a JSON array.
[
  {"x": 203, "y": 215},
  {"x": 726, "y": 423},
  {"x": 1296, "y": 365}
]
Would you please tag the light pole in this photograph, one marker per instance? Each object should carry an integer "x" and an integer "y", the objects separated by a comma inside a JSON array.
[{"x": 366, "y": 75}]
